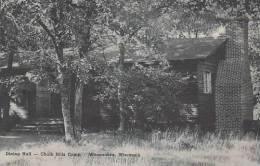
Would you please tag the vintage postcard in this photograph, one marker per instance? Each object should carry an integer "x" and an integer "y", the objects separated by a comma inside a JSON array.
[{"x": 129, "y": 82}]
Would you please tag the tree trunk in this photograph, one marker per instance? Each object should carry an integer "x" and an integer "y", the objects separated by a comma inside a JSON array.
[
  {"x": 5, "y": 103},
  {"x": 122, "y": 112},
  {"x": 65, "y": 85},
  {"x": 10, "y": 58},
  {"x": 66, "y": 82},
  {"x": 6, "y": 109},
  {"x": 84, "y": 45},
  {"x": 78, "y": 109}
]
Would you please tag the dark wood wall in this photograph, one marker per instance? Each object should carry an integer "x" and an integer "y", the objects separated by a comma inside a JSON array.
[
  {"x": 97, "y": 115},
  {"x": 206, "y": 101},
  {"x": 188, "y": 68},
  {"x": 48, "y": 104},
  {"x": 26, "y": 97}
]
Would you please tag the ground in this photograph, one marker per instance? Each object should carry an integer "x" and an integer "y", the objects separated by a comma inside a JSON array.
[{"x": 168, "y": 148}]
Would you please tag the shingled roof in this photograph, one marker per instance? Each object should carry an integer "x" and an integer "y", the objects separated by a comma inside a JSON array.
[
  {"x": 174, "y": 49},
  {"x": 181, "y": 49}
]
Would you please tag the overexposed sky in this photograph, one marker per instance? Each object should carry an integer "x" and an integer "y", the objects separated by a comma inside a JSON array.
[{"x": 220, "y": 30}]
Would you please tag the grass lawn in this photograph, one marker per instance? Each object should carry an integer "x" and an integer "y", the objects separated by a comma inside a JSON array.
[{"x": 107, "y": 148}]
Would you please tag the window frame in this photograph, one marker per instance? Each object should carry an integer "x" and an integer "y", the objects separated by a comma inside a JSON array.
[{"x": 207, "y": 82}]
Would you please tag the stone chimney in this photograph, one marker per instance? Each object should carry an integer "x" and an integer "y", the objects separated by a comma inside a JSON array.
[{"x": 234, "y": 94}]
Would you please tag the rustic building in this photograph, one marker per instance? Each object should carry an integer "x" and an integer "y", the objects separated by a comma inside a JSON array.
[
  {"x": 220, "y": 91},
  {"x": 223, "y": 95}
]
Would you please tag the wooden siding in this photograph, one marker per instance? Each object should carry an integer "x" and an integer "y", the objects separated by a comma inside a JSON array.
[
  {"x": 48, "y": 104},
  {"x": 206, "y": 100},
  {"x": 43, "y": 102}
]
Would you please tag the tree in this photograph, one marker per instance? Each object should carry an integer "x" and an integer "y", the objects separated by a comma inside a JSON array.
[
  {"x": 66, "y": 25},
  {"x": 124, "y": 19},
  {"x": 9, "y": 34},
  {"x": 226, "y": 9},
  {"x": 150, "y": 93},
  {"x": 83, "y": 18},
  {"x": 59, "y": 33}
]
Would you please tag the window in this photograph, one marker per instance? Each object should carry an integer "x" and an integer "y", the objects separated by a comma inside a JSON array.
[{"x": 207, "y": 87}]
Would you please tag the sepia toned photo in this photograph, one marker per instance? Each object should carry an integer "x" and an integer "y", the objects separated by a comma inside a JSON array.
[{"x": 129, "y": 82}]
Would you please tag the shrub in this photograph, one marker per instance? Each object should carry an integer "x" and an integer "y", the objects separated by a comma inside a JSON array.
[{"x": 150, "y": 93}]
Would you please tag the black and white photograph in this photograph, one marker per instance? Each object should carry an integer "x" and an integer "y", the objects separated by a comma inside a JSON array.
[{"x": 130, "y": 82}]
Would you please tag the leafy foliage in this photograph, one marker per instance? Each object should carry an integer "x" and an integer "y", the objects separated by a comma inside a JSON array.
[{"x": 150, "y": 93}]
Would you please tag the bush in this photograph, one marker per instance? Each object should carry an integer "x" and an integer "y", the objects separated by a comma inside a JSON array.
[{"x": 149, "y": 93}]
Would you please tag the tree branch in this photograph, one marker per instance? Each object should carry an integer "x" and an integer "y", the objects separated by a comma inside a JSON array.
[
  {"x": 52, "y": 36},
  {"x": 41, "y": 23}
]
